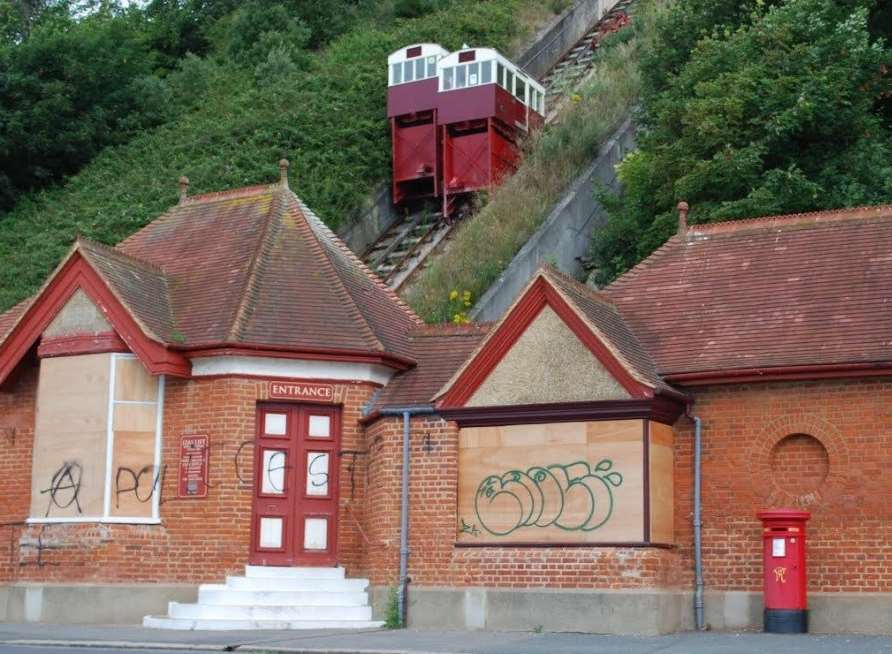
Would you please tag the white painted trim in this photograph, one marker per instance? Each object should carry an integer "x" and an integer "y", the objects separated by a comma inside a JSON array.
[
  {"x": 291, "y": 369},
  {"x": 110, "y": 435},
  {"x": 94, "y": 520},
  {"x": 159, "y": 429}
]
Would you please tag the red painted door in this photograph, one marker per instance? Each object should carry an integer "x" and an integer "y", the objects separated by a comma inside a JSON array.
[{"x": 294, "y": 518}]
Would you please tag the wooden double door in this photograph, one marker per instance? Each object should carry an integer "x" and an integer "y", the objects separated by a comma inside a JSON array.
[{"x": 295, "y": 512}]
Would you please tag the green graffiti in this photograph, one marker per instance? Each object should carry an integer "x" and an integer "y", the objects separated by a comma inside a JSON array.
[
  {"x": 465, "y": 528},
  {"x": 539, "y": 496}
]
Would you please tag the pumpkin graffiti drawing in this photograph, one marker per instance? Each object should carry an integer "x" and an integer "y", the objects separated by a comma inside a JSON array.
[{"x": 571, "y": 497}]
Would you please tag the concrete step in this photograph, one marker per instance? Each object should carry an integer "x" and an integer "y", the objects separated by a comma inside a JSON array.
[
  {"x": 220, "y": 595},
  {"x": 279, "y": 572},
  {"x": 304, "y": 613},
  {"x": 297, "y": 584},
  {"x": 160, "y": 622}
]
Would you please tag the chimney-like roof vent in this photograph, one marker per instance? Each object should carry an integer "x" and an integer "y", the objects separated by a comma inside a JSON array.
[
  {"x": 682, "y": 218},
  {"x": 184, "y": 188},
  {"x": 283, "y": 172}
]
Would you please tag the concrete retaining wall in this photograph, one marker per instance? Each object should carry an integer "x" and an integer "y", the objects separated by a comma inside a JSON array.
[
  {"x": 565, "y": 235},
  {"x": 376, "y": 216},
  {"x": 556, "y": 39},
  {"x": 89, "y": 603}
]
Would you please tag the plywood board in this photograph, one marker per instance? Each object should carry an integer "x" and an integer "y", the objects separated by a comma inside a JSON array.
[
  {"x": 133, "y": 474},
  {"x": 135, "y": 417},
  {"x": 133, "y": 383},
  {"x": 68, "y": 470},
  {"x": 662, "y": 487},
  {"x": 552, "y": 483}
]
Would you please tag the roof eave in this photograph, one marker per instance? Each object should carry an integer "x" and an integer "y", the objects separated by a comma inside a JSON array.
[
  {"x": 781, "y": 373},
  {"x": 387, "y": 359}
]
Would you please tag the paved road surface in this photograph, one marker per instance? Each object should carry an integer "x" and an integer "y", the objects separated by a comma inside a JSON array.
[{"x": 109, "y": 640}]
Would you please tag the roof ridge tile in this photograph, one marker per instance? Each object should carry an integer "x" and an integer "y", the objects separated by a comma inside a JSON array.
[
  {"x": 339, "y": 243},
  {"x": 294, "y": 202},
  {"x": 806, "y": 217}
]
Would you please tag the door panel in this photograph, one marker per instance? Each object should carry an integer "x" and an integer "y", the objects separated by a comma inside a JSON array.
[{"x": 295, "y": 486}]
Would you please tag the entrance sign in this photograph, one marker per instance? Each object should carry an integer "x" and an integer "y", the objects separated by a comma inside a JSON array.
[
  {"x": 193, "y": 477},
  {"x": 301, "y": 391}
]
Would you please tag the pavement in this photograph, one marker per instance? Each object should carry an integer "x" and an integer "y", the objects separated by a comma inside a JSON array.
[{"x": 74, "y": 639}]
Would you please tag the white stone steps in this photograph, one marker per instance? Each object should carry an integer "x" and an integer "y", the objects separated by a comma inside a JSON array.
[
  {"x": 292, "y": 584},
  {"x": 265, "y": 572},
  {"x": 220, "y": 595},
  {"x": 275, "y": 598},
  {"x": 307, "y": 613},
  {"x": 161, "y": 622}
]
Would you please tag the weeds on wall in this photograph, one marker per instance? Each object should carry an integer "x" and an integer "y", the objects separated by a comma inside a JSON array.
[
  {"x": 392, "y": 618},
  {"x": 483, "y": 246}
]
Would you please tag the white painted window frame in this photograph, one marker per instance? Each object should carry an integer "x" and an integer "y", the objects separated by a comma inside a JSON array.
[{"x": 109, "y": 458}]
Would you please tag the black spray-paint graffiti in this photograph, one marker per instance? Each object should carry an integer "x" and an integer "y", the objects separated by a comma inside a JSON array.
[
  {"x": 238, "y": 460},
  {"x": 65, "y": 486},
  {"x": 136, "y": 485},
  {"x": 40, "y": 547},
  {"x": 352, "y": 467}
]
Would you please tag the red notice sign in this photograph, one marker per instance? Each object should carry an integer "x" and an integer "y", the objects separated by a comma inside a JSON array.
[
  {"x": 193, "y": 479},
  {"x": 299, "y": 391}
]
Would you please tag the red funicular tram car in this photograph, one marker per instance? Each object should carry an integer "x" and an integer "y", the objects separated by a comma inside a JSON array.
[
  {"x": 485, "y": 104},
  {"x": 412, "y": 110},
  {"x": 456, "y": 120}
]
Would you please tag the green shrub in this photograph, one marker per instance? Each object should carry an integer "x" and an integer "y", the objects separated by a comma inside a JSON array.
[{"x": 392, "y": 619}]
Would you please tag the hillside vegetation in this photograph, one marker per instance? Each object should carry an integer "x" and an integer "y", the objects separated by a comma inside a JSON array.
[
  {"x": 755, "y": 108},
  {"x": 553, "y": 159},
  {"x": 228, "y": 88}
]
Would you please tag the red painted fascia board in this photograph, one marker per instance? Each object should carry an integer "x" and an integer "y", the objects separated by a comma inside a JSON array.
[
  {"x": 76, "y": 274},
  {"x": 539, "y": 294},
  {"x": 782, "y": 373},
  {"x": 60, "y": 346},
  {"x": 243, "y": 349}
]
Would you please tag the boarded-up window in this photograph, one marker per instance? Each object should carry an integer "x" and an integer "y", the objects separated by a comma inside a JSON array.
[
  {"x": 568, "y": 482},
  {"x": 97, "y": 439}
]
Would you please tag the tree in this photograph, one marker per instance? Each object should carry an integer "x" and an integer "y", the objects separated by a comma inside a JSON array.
[{"x": 773, "y": 110}]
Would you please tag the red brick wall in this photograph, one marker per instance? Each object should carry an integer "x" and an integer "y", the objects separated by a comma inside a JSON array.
[
  {"x": 825, "y": 446},
  {"x": 199, "y": 540},
  {"x": 435, "y": 561},
  {"x": 840, "y": 474},
  {"x": 16, "y": 442}
]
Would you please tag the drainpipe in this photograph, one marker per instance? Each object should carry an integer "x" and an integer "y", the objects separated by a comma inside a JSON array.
[
  {"x": 406, "y": 413},
  {"x": 698, "y": 527}
]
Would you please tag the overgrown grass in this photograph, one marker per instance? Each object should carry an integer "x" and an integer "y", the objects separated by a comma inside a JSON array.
[
  {"x": 483, "y": 247},
  {"x": 328, "y": 119}
]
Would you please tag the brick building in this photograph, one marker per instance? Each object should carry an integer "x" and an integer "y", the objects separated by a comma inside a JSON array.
[{"x": 231, "y": 387}]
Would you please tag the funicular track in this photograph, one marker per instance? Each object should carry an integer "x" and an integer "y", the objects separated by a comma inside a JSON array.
[{"x": 405, "y": 247}]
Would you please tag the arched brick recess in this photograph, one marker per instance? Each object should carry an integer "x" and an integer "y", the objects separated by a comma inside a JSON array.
[{"x": 773, "y": 494}]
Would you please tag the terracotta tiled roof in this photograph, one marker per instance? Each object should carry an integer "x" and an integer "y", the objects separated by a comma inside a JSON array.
[
  {"x": 141, "y": 287},
  {"x": 440, "y": 350},
  {"x": 774, "y": 292},
  {"x": 10, "y": 317},
  {"x": 600, "y": 312},
  {"x": 249, "y": 267},
  {"x": 256, "y": 267}
]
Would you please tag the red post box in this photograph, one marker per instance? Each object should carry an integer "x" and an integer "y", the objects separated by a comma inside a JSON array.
[{"x": 784, "y": 577}]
